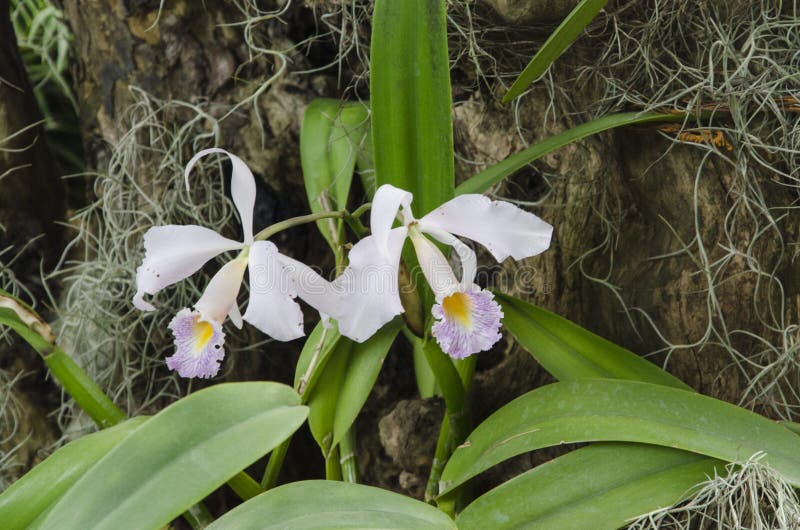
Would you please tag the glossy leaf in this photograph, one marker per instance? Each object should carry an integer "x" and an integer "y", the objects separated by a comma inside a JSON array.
[
  {"x": 569, "y": 351},
  {"x": 179, "y": 456},
  {"x": 592, "y": 488},
  {"x": 487, "y": 178},
  {"x": 42, "y": 486},
  {"x": 563, "y": 36},
  {"x": 412, "y": 126},
  {"x": 345, "y": 384},
  {"x": 617, "y": 410},
  {"x": 330, "y": 137},
  {"x": 314, "y": 504}
]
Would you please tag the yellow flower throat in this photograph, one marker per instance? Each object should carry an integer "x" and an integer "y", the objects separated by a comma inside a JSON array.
[{"x": 458, "y": 306}]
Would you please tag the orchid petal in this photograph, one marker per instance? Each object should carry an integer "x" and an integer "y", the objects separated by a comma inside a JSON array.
[
  {"x": 199, "y": 345},
  {"x": 272, "y": 308},
  {"x": 434, "y": 265},
  {"x": 385, "y": 204},
  {"x": 315, "y": 290},
  {"x": 236, "y": 316},
  {"x": 504, "y": 229},
  {"x": 469, "y": 262},
  {"x": 369, "y": 286},
  {"x": 173, "y": 253},
  {"x": 220, "y": 295},
  {"x": 243, "y": 188}
]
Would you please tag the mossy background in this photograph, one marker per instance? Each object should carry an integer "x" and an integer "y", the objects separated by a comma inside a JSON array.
[{"x": 679, "y": 243}]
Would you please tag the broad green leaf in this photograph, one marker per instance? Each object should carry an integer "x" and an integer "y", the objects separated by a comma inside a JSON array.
[
  {"x": 345, "y": 384},
  {"x": 630, "y": 411},
  {"x": 569, "y": 351},
  {"x": 592, "y": 488},
  {"x": 563, "y": 36},
  {"x": 412, "y": 125},
  {"x": 179, "y": 456},
  {"x": 42, "y": 486},
  {"x": 314, "y": 504},
  {"x": 330, "y": 138},
  {"x": 487, "y": 178}
]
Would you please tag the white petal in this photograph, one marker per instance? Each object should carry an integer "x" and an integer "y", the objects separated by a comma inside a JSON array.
[
  {"x": 469, "y": 263},
  {"x": 236, "y": 316},
  {"x": 272, "y": 308},
  {"x": 315, "y": 290},
  {"x": 369, "y": 287},
  {"x": 387, "y": 201},
  {"x": 504, "y": 229},
  {"x": 221, "y": 292},
  {"x": 243, "y": 188},
  {"x": 435, "y": 266},
  {"x": 173, "y": 253}
]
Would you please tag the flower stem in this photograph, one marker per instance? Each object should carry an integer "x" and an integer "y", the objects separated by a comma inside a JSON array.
[{"x": 271, "y": 230}]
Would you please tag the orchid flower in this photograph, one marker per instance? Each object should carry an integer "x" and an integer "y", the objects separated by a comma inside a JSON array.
[
  {"x": 174, "y": 252},
  {"x": 467, "y": 319}
]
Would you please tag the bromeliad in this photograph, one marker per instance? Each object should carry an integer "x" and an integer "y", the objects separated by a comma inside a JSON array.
[
  {"x": 174, "y": 252},
  {"x": 467, "y": 317}
]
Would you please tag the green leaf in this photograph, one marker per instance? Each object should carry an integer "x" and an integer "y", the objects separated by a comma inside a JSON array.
[
  {"x": 331, "y": 135},
  {"x": 42, "y": 486},
  {"x": 591, "y": 488},
  {"x": 345, "y": 384},
  {"x": 617, "y": 410},
  {"x": 179, "y": 456},
  {"x": 569, "y": 351},
  {"x": 412, "y": 126},
  {"x": 20, "y": 317},
  {"x": 487, "y": 178},
  {"x": 314, "y": 504},
  {"x": 563, "y": 36}
]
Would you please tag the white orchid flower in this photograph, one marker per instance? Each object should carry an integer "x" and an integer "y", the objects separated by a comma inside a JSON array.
[
  {"x": 174, "y": 252},
  {"x": 467, "y": 317}
]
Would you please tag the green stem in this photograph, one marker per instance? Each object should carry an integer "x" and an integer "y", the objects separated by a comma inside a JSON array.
[
  {"x": 198, "y": 516},
  {"x": 271, "y": 230},
  {"x": 333, "y": 471},
  {"x": 274, "y": 464},
  {"x": 455, "y": 424},
  {"x": 244, "y": 486},
  {"x": 347, "y": 456},
  {"x": 83, "y": 390}
]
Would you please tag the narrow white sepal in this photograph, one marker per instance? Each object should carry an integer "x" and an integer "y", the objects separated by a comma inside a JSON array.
[
  {"x": 503, "y": 228},
  {"x": 312, "y": 288},
  {"x": 243, "y": 188}
]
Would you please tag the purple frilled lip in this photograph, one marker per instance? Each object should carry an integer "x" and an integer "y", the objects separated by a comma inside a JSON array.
[
  {"x": 199, "y": 345},
  {"x": 473, "y": 326}
]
